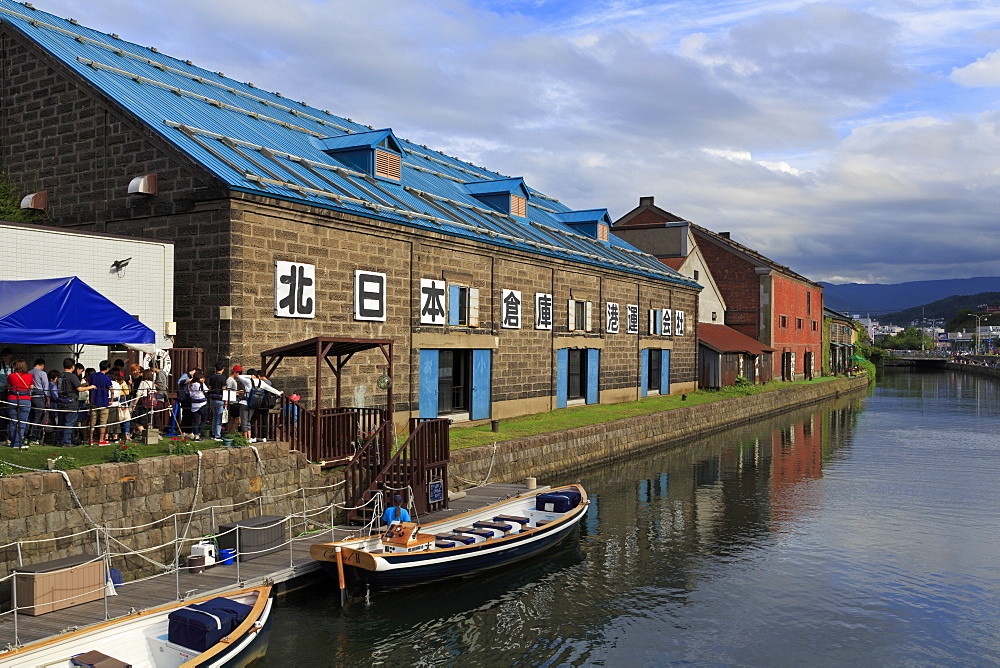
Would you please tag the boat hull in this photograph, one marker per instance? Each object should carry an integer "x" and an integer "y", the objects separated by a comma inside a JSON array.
[{"x": 401, "y": 569}]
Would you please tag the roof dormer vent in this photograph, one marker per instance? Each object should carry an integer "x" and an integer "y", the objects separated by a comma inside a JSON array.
[
  {"x": 377, "y": 153},
  {"x": 508, "y": 196},
  {"x": 593, "y": 223}
]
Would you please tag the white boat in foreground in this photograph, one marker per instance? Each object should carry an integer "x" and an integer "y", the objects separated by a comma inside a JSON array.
[
  {"x": 490, "y": 537},
  {"x": 219, "y": 631}
]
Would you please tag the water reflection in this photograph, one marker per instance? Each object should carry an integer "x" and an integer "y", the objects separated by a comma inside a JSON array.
[{"x": 859, "y": 531}]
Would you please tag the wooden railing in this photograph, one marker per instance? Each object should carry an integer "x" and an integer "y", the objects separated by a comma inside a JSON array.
[
  {"x": 420, "y": 461},
  {"x": 336, "y": 436}
]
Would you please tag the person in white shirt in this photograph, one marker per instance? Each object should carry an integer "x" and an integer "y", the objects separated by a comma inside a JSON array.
[{"x": 253, "y": 383}]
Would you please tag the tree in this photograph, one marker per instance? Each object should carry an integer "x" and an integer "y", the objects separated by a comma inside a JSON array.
[
  {"x": 10, "y": 204},
  {"x": 911, "y": 338}
]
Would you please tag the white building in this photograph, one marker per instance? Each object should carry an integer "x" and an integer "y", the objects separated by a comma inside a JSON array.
[{"x": 136, "y": 274}]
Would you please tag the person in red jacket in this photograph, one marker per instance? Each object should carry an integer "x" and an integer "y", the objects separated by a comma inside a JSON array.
[{"x": 19, "y": 383}]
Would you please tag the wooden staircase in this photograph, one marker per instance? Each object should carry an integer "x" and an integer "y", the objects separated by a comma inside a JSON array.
[{"x": 420, "y": 464}]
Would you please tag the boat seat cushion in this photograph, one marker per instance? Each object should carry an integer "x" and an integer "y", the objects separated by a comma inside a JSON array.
[
  {"x": 444, "y": 543},
  {"x": 497, "y": 526},
  {"x": 458, "y": 538},
  {"x": 523, "y": 521},
  {"x": 95, "y": 659},
  {"x": 472, "y": 531},
  {"x": 542, "y": 523}
]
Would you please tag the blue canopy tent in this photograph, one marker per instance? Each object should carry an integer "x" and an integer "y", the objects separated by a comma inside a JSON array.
[{"x": 64, "y": 311}]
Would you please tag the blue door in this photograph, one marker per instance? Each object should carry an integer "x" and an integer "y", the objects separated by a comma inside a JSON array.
[
  {"x": 593, "y": 375},
  {"x": 664, "y": 371},
  {"x": 481, "y": 382},
  {"x": 428, "y": 384},
  {"x": 562, "y": 376},
  {"x": 644, "y": 372}
]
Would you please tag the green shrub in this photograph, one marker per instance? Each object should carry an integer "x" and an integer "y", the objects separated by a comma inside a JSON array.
[
  {"x": 239, "y": 440},
  {"x": 126, "y": 453},
  {"x": 184, "y": 448},
  {"x": 6, "y": 469},
  {"x": 65, "y": 463}
]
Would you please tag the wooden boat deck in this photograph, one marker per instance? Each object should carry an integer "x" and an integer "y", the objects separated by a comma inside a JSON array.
[{"x": 279, "y": 567}]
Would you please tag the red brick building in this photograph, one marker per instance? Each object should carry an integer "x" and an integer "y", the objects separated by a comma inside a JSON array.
[{"x": 763, "y": 299}]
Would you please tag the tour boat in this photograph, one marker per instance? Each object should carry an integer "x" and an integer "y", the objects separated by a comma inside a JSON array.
[
  {"x": 224, "y": 631},
  {"x": 490, "y": 537}
]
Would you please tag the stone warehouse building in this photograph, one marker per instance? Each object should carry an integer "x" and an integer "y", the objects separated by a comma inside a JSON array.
[{"x": 290, "y": 222}]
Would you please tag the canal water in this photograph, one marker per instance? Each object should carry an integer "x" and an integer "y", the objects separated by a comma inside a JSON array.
[{"x": 864, "y": 531}]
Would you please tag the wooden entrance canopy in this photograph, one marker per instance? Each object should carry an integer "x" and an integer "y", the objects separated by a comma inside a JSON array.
[{"x": 326, "y": 349}]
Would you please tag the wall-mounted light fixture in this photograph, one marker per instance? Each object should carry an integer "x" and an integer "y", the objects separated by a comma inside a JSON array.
[
  {"x": 142, "y": 185},
  {"x": 118, "y": 265},
  {"x": 38, "y": 201}
]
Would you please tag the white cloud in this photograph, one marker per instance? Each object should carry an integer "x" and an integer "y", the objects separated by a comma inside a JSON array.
[
  {"x": 983, "y": 72},
  {"x": 815, "y": 133}
]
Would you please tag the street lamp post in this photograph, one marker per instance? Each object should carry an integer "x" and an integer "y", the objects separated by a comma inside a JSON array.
[{"x": 979, "y": 319}]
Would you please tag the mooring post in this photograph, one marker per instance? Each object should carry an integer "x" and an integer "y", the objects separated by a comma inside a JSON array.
[{"x": 340, "y": 578}]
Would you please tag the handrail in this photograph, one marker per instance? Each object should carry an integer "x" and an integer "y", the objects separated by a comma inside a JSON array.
[{"x": 421, "y": 459}]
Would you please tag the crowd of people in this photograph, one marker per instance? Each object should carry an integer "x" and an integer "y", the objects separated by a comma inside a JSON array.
[{"x": 116, "y": 402}]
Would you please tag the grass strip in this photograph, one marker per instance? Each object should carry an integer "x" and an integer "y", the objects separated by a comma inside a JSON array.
[{"x": 582, "y": 416}]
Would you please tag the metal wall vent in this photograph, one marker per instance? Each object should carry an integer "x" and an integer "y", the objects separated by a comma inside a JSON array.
[
  {"x": 143, "y": 185},
  {"x": 38, "y": 201}
]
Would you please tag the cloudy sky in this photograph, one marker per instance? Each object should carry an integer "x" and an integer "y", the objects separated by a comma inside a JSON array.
[{"x": 852, "y": 141}]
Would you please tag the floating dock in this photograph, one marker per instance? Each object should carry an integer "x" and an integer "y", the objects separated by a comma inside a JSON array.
[{"x": 286, "y": 569}]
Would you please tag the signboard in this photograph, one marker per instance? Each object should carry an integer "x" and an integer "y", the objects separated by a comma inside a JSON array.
[
  {"x": 369, "y": 295},
  {"x": 433, "y": 309},
  {"x": 510, "y": 306},
  {"x": 435, "y": 491},
  {"x": 294, "y": 289}
]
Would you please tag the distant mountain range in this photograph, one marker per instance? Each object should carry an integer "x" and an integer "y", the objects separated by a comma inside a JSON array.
[
  {"x": 878, "y": 299},
  {"x": 942, "y": 309}
]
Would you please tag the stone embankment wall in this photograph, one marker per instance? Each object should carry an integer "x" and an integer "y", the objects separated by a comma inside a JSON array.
[
  {"x": 983, "y": 370},
  {"x": 564, "y": 451},
  {"x": 36, "y": 506}
]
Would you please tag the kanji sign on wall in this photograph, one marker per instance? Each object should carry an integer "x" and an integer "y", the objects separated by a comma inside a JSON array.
[
  {"x": 665, "y": 327},
  {"x": 613, "y": 314},
  {"x": 679, "y": 323},
  {"x": 510, "y": 307},
  {"x": 294, "y": 289},
  {"x": 433, "y": 303},
  {"x": 543, "y": 311},
  {"x": 369, "y": 295},
  {"x": 631, "y": 318}
]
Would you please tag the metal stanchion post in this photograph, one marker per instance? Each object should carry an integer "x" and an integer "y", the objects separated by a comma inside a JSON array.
[
  {"x": 107, "y": 575},
  {"x": 13, "y": 590},
  {"x": 20, "y": 561},
  {"x": 238, "y": 578},
  {"x": 291, "y": 561},
  {"x": 177, "y": 562}
]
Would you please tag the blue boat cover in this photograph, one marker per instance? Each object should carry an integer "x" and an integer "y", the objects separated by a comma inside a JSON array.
[
  {"x": 64, "y": 311},
  {"x": 203, "y": 625}
]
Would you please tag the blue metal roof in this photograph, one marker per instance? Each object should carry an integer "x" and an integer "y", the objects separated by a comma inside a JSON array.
[{"x": 263, "y": 143}]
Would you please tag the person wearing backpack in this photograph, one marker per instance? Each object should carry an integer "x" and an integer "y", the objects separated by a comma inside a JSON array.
[
  {"x": 69, "y": 386},
  {"x": 255, "y": 387}
]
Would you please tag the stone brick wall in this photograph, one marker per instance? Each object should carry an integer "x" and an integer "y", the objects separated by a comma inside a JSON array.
[
  {"x": 564, "y": 451},
  {"x": 40, "y": 505}
]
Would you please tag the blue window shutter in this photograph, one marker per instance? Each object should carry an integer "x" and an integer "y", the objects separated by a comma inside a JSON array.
[
  {"x": 593, "y": 375},
  {"x": 658, "y": 321},
  {"x": 664, "y": 371},
  {"x": 562, "y": 377},
  {"x": 644, "y": 372},
  {"x": 481, "y": 381},
  {"x": 453, "y": 303},
  {"x": 429, "y": 383}
]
